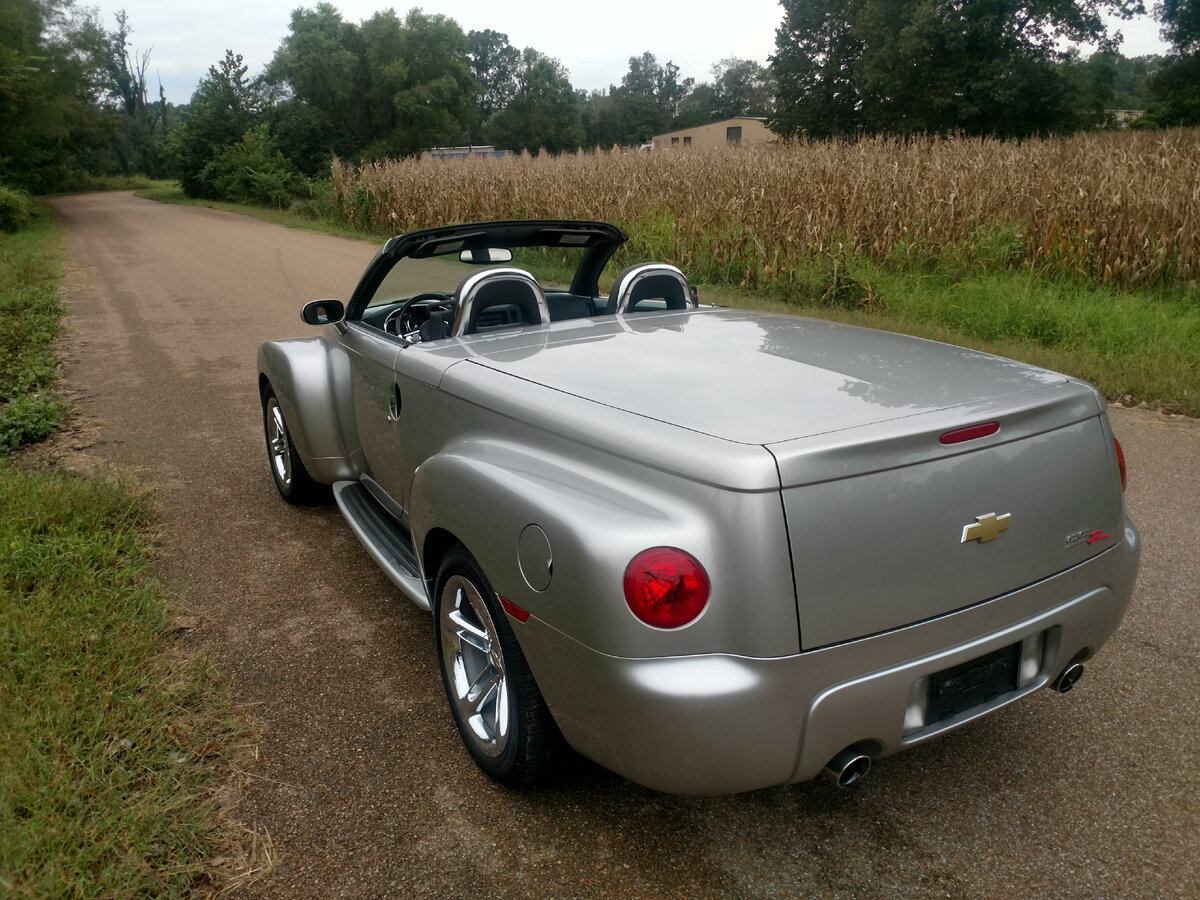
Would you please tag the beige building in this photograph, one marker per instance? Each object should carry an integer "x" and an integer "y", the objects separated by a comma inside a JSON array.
[{"x": 739, "y": 131}]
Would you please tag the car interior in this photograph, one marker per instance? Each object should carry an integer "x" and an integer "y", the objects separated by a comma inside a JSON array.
[{"x": 471, "y": 294}]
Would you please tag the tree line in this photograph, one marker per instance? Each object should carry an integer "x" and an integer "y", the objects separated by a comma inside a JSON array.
[
  {"x": 75, "y": 96},
  {"x": 392, "y": 86},
  {"x": 993, "y": 67}
]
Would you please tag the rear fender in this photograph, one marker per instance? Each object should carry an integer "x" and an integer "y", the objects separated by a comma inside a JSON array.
[
  {"x": 311, "y": 379},
  {"x": 507, "y": 502}
]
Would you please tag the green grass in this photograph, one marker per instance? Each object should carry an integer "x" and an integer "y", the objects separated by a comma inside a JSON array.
[
  {"x": 30, "y": 266},
  {"x": 315, "y": 214},
  {"x": 108, "y": 745},
  {"x": 117, "y": 183},
  {"x": 1140, "y": 344},
  {"x": 112, "y": 742}
]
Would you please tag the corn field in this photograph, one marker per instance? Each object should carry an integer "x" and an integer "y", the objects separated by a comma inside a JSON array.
[{"x": 1115, "y": 207}]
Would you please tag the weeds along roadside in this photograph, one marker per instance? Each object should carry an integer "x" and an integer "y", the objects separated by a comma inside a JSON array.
[
  {"x": 116, "y": 748},
  {"x": 30, "y": 267}
]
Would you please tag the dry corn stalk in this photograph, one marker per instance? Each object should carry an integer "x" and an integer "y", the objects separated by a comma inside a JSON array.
[{"x": 1121, "y": 207}]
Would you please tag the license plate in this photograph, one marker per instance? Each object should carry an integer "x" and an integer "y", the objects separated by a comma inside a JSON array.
[{"x": 974, "y": 683}]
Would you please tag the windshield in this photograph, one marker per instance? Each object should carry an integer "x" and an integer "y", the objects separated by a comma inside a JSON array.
[
  {"x": 409, "y": 277},
  {"x": 554, "y": 268}
]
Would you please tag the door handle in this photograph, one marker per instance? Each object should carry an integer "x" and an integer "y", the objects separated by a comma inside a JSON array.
[{"x": 394, "y": 404}]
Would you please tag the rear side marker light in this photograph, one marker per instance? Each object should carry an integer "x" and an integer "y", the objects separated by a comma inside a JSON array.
[
  {"x": 970, "y": 433},
  {"x": 517, "y": 612},
  {"x": 666, "y": 587},
  {"x": 1120, "y": 462}
]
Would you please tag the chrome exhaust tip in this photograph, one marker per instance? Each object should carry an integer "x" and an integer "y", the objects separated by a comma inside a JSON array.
[
  {"x": 848, "y": 767},
  {"x": 1069, "y": 676}
]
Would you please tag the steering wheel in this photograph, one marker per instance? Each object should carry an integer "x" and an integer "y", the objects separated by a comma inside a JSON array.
[{"x": 413, "y": 312}]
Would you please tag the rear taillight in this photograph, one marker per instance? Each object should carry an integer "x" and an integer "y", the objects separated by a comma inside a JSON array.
[
  {"x": 970, "y": 433},
  {"x": 1120, "y": 461},
  {"x": 666, "y": 587}
]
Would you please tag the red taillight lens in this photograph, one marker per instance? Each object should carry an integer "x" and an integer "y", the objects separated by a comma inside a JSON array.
[
  {"x": 970, "y": 433},
  {"x": 665, "y": 587},
  {"x": 1120, "y": 461},
  {"x": 517, "y": 612}
]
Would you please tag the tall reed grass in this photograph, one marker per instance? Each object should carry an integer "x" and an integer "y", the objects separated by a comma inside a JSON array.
[{"x": 1120, "y": 208}]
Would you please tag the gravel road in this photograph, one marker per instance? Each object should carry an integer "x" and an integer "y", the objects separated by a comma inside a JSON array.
[{"x": 362, "y": 783}]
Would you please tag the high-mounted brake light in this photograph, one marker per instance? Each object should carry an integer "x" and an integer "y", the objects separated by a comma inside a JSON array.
[
  {"x": 1120, "y": 462},
  {"x": 970, "y": 433},
  {"x": 666, "y": 587}
]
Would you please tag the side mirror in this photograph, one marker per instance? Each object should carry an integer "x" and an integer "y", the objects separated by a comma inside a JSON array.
[{"x": 323, "y": 312}]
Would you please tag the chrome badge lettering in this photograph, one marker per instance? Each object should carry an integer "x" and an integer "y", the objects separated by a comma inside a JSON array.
[
  {"x": 1088, "y": 537},
  {"x": 986, "y": 528}
]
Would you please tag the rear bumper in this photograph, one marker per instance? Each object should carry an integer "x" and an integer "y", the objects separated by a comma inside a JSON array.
[{"x": 715, "y": 723}]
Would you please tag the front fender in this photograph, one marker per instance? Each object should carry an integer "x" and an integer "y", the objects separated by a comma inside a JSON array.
[{"x": 311, "y": 379}]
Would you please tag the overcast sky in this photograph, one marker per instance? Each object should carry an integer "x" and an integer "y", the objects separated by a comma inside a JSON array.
[{"x": 593, "y": 41}]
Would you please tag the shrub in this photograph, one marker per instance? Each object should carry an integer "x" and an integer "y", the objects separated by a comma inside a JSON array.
[
  {"x": 254, "y": 171},
  {"x": 28, "y": 419},
  {"x": 319, "y": 203},
  {"x": 16, "y": 209}
]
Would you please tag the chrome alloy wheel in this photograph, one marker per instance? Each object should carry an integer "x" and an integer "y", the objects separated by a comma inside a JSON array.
[
  {"x": 474, "y": 666},
  {"x": 277, "y": 441}
]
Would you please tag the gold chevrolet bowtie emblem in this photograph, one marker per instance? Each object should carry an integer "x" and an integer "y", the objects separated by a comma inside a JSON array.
[{"x": 986, "y": 528}]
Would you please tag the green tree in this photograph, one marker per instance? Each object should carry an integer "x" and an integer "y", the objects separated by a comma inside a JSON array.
[
  {"x": 136, "y": 146},
  {"x": 436, "y": 104},
  {"x": 741, "y": 87},
  {"x": 543, "y": 114},
  {"x": 385, "y": 87},
  {"x": 916, "y": 66},
  {"x": 51, "y": 84},
  {"x": 254, "y": 171},
  {"x": 223, "y": 108},
  {"x": 816, "y": 50},
  {"x": 699, "y": 107},
  {"x": 126, "y": 72},
  {"x": 1090, "y": 83},
  {"x": 496, "y": 67},
  {"x": 1174, "y": 87},
  {"x": 601, "y": 120},
  {"x": 387, "y": 77},
  {"x": 302, "y": 132},
  {"x": 320, "y": 64},
  {"x": 646, "y": 78},
  {"x": 1174, "y": 90},
  {"x": 1181, "y": 24},
  {"x": 1129, "y": 83},
  {"x": 648, "y": 100}
]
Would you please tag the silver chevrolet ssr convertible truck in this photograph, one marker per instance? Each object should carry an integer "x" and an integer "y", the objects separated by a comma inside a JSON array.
[{"x": 715, "y": 550}]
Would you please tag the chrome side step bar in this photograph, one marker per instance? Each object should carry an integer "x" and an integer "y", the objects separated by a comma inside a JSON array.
[{"x": 387, "y": 543}]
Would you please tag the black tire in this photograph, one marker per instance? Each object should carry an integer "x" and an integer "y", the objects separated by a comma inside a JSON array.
[
  {"x": 496, "y": 704},
  {"x": 291, "y": 479}
]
